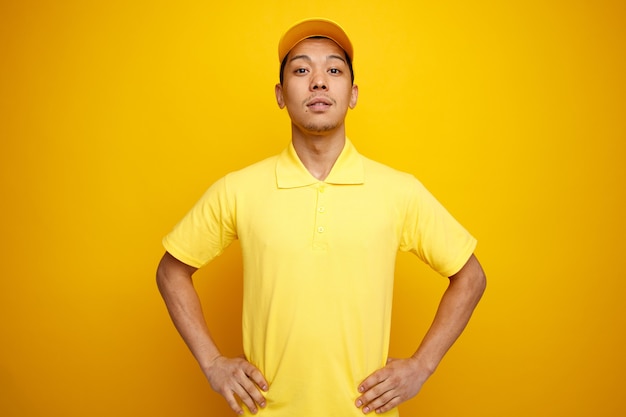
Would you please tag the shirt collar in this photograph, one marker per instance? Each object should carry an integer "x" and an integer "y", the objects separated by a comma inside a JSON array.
[{"x": 291, "y": 172}]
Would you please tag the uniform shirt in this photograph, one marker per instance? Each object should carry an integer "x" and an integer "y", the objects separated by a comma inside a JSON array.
[{"x": 319, "y": 260}]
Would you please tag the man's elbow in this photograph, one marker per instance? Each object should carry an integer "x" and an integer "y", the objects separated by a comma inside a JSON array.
[
  {"x": 477, "y": 281},
  {"x": 480, "y": 282},
  {"x": 472, "y": 277},
  {"x": 166, "y": 271},
  {"x": 161, "y": 275},
  {"x": 171, "y": 270}
]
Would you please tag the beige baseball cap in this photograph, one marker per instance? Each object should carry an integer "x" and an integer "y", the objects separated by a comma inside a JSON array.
[{"x": 314, "y": 27}]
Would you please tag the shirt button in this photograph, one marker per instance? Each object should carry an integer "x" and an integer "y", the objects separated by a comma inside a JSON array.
[
  {"x": 320, "y": 229},
  {"x": 321, "y": 209}
]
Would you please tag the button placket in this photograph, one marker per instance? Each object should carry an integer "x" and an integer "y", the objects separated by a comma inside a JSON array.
[{"x": 319, "y": 240}]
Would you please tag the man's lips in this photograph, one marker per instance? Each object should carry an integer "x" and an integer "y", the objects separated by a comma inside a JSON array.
[{"x": 319, "y": 103}]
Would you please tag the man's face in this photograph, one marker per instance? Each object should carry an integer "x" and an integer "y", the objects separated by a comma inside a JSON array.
[{"x": 317, "y": 88}]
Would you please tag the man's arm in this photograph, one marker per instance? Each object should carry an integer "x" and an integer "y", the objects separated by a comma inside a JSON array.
[
  {"x": 402, "y": 379},
  {"x": 227, "y": 376}
]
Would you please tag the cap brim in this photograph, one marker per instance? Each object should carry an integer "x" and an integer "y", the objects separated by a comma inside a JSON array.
[{"x": 310, "y": 28}]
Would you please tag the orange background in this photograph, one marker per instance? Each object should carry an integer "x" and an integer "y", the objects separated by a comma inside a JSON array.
[{"x": 115, "y": 116}]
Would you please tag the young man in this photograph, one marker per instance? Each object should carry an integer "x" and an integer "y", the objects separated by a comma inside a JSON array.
[{"x": 319, "y": 226}]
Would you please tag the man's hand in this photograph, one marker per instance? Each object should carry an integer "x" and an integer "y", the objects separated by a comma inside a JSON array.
[
  {"x": 232, "y": 377},
  {"x": 398, "y": 381}
]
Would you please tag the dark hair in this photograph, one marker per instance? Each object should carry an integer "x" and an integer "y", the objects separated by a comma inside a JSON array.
[{"x": 284, "y": 63}]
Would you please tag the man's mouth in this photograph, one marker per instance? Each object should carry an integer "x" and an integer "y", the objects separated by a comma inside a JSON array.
[{"x": 319, "y": 103}]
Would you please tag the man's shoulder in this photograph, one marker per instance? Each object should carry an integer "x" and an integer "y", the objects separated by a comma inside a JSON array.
[
  {"x": 384, "y": 172},
  {"x": 258, "y": 169}
]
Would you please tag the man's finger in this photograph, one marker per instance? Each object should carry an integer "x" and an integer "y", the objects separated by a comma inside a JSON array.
[
  {"x": 246, "y": 398},
  {"x": 232, "y": 402},
  {"x": 381, "y": 402},
  {"x": 372, "y": 380},
  {"x": 371, "y": 394},
  {"x": 252, "y": 390},
  {"x": 257, "y": 377}
]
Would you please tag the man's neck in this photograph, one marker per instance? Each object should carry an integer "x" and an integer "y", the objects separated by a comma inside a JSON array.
[{"x": 319, "y": 153}]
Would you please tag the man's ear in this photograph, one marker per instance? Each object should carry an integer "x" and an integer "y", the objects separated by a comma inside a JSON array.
[
  {"x": 354, "y": 96},
  {"x": 278, "y": 90}
]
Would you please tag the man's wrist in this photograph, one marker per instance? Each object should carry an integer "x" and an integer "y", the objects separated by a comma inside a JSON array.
[
  {"x": 423, "y": 368},
  {"x": 209, "y": 363}
]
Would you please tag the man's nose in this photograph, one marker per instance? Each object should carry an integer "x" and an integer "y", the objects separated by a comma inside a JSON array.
[{"x": 319, "y": 83}]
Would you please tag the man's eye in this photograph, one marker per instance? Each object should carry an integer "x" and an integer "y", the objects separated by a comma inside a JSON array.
[
  {"x": 334, "y": 71},
  {"x": 300, "y": 71}
]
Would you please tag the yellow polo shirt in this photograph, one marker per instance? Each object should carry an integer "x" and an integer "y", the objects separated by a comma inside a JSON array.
[{"x": 319, "y": 260}]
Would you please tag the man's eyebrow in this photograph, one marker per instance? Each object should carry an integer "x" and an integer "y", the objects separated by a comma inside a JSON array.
[
  {"x": 337, "y": 57},
  {"x": 305, "y": 57},
  {"x": 308, "y": 58}
]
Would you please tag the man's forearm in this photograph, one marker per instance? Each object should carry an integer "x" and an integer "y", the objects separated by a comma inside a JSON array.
[
  {"x": 183, "y": 304},
  {"x": 234, "y": 378},
  {"x": 455, "y": 309}
]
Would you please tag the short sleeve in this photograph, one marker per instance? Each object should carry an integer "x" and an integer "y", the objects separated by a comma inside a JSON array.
[
  {"x": 431, "y": 233},
  {"x": 206, "y": 230}
]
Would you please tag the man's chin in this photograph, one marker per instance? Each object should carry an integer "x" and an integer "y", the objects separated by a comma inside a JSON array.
[{"x": 320, "y": 128}]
